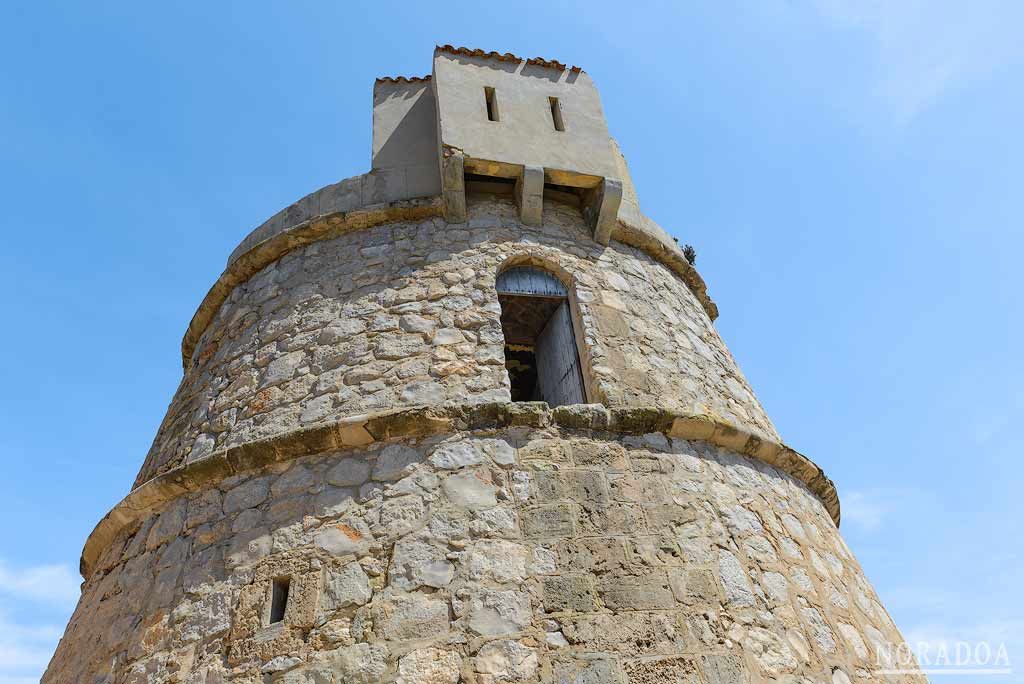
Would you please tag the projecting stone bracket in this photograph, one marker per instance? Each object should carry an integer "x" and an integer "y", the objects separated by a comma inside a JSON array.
[
  {"x": 601, "y": 208},
  {"x": 453, "y": 184},
  {"x": 530, "y": 195}
]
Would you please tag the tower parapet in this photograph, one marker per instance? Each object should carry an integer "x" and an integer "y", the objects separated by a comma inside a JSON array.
[{"x": 465, "y": 418}]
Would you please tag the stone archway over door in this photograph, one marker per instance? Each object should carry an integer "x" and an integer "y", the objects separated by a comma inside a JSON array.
[{"x": 558, "y": 364}]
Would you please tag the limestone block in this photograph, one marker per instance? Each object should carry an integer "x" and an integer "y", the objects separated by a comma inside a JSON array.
[
  {"x": 412, "y": 616},
  {"x": 350, "y": 472},
  {"x": 455, "y": 455},
  {"x": 496, "y": 613},
  {"x": 679, "y": 670},
  {"x": 569, "y": 593},
  {"x": 247, "y": 494},
  {"x": 416, "y": 563},
  {"x": 343, "y": 539},
  {"x": 472, "y": 490},
  {"x": 499, "y": 561},
  {"x": 505, "y": 660},
  {"x": 549, "y": 521},
  {"x": 395, "y": 461},
  {"x": 429, "y": 666},
  {"x": 343, "y": 587}
]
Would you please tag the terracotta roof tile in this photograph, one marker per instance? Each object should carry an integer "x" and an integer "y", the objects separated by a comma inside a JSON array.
[
  {"x": 507, "y": 57},
  {"x": 403, "y": 79}
]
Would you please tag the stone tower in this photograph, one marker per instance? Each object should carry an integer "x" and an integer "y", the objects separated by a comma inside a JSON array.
[{"x": 465, "y": 418}]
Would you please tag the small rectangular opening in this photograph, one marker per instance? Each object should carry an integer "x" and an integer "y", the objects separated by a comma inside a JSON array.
[
  {"x": 492, "y": 103},
  {"x": 556, "y": 113},
  {"x": 279, "y": 598}
]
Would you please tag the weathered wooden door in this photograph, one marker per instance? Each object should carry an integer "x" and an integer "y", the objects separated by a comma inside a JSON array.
[{"x": 558, "y": 364}]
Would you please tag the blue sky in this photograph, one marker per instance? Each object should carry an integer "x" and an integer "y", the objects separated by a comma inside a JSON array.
[{"x": 849, "y": 172}]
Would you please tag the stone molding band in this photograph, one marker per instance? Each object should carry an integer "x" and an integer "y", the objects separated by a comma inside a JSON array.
[
  {"x": 331, "y": 225},
  {"x": 366, "y": 429}
]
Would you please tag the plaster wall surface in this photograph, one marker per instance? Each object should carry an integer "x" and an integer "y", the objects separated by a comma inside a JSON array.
[
  {"x": 405, "y": 138},
  {"x": 524, "y": 133},
  {"x": 407, "y": 314}
]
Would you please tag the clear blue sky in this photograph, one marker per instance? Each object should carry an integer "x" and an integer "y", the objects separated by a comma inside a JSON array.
[{"x": 850, "y": 174}]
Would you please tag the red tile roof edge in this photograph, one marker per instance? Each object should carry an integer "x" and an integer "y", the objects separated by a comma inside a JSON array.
[
  {"x": 507, "y": 57},
  {"x": 403, "y": 79}
]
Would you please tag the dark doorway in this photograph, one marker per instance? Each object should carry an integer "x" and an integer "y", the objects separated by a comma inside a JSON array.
[{"x": 540, "y": 346}]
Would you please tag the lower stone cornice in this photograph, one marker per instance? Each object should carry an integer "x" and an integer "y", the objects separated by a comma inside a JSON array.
[{"x": 353, "y": 432}]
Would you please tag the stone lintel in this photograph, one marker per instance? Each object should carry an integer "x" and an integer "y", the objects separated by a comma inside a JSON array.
[
  {"x": 601, "y": 209},
  {"x": 530, "y": 195}
]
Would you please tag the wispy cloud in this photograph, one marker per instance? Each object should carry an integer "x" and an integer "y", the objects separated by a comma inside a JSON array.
[
  {"x": 865, "y": 509},
  {"x": 868, "y": 509},
  {"x": 56, "y": 584},
  {"x": 25, "y": 649},
  {"x": 34, "y": 603},
  {"x": 924, "y": 49}
]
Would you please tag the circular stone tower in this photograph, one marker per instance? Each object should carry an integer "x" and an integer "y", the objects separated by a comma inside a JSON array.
[{"x": 465, "y": 418}]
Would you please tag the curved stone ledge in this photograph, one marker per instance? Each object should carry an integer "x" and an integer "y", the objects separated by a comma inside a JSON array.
[
  {"x": 321, "y": 227},
  {"x": 363, "y": 430},
  {"x": 345, "y": 206}
]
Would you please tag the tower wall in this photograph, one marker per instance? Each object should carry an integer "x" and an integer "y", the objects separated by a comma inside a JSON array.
[{"x": 521, "y": 549}]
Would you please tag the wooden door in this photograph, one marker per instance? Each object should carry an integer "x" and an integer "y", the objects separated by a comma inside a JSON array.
[{"x": 558, "y": 365}]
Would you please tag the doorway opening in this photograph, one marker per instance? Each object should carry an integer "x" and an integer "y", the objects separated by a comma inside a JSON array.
[{"x": 540, "y": 344}]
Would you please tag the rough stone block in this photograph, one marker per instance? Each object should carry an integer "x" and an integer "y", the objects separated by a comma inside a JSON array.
[
  {"x": 569, "y": 593},
  {"x": 549, "y": 521},
  {"x": 412, "y": 616},
  {"x": 724, "y": 669},
  {"x": 636, "y": 592},
  {"x": 678, "y": 670}
]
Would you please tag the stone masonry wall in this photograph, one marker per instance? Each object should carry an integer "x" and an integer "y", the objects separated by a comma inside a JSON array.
[
  {"x": 523, "y": 554},
  {"x": 407, "y": 314}
]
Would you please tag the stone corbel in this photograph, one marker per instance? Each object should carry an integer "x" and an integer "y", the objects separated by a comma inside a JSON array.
[
  {"x": 453, "y": 184},
  {"x": 530, "y": 195},
  {"x": 601, "y": 208}
]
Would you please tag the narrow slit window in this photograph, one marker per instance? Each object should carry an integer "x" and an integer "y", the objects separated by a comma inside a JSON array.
[
  {"x": 492, "y": 103},
  {"x": 540, "y": 345},
  {"x": 556, "y": 113},
  {"x": 279, "y": 599}
]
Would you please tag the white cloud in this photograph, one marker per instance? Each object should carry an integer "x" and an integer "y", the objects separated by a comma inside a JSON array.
[
  {"x": 924, "y": 49},
  {"x": 25, "y": 649},
  {"x": 56, "y": 584},
  {"x": 867, "y": 509},
  {"x": 34, "y": 603}
]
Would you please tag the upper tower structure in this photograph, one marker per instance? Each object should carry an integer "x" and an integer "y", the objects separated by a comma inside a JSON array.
[
  {"x": 534, "y": 122},
  {"x": 465, "y": 418}
]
